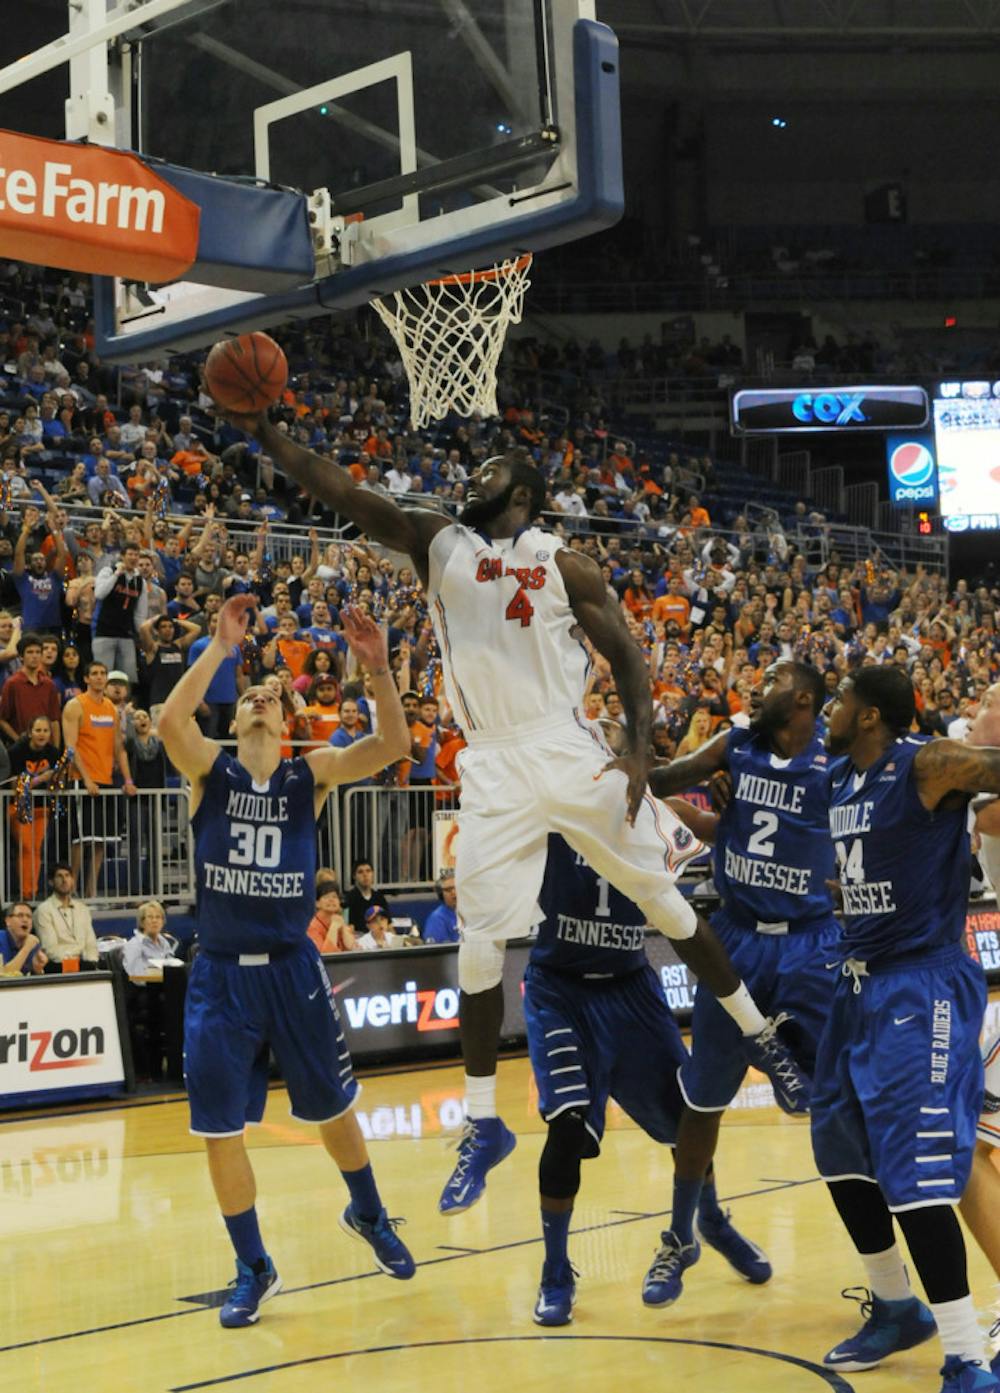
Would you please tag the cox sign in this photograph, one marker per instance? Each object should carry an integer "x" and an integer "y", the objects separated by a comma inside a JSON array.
[
  {"x": 779, "y": 409},
  {"x": 912, "y": 470}
]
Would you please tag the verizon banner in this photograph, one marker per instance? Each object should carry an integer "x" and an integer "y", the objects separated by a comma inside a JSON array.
[
  {"x": 59, "y": 1037},
  {"x": 87, "y": 208}
]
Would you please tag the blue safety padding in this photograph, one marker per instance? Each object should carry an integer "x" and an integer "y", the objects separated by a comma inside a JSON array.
[{"x": 250, "y": 238}]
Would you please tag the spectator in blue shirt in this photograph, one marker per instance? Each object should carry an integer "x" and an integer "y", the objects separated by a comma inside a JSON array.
[
  {"x": 20, "y": 953},
  {"x": 38, "y": 580},
  {"x": 442, "y": 922},
  {"x": 216, "y": 712},
  {"x": 349, "y": 732}
]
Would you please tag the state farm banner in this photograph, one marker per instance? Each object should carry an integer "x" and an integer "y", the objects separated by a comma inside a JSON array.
[
  {"x": 59, "y": 1036},
  {"x": 88, "y": 208}
]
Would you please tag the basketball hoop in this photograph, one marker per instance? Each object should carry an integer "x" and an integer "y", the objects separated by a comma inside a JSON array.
[{"x": 450, "y": 333}]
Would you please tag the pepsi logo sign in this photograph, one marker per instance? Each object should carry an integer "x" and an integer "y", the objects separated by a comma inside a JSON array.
[
  {"x": 911, "y": 464},
  {"x": 911, "y": 469}
]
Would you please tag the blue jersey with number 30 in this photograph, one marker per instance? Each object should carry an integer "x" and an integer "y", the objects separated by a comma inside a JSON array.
[
  {"x": 255, "y": 857},
  {"x": 904, "y": 870}
]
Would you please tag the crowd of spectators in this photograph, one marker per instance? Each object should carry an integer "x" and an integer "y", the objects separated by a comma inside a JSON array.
[{"x": 129, "y": 511}]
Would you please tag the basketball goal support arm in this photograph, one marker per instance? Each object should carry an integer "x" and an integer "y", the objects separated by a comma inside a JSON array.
[{"x": 378, "y": 517}]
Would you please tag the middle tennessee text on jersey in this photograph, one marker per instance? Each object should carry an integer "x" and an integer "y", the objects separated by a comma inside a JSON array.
[
  {"x": 904, "y": 871},
  {"x": 255, "y": 857},
  {"x": 585, "y": 933},
  {"x": 773, "y": 855},
  {"x": 510, "y": 656}
]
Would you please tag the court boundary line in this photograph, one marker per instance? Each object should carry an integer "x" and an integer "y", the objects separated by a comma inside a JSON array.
[
  {"x": 828, "y": 1376},
  {"x": 364, "y": 1276}
]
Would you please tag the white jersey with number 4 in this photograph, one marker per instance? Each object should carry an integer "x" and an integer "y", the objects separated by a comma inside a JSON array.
[{"x": 510, "y": 652}]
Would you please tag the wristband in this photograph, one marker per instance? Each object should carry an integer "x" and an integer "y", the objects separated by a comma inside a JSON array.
[{"x": 380, "y": 672}]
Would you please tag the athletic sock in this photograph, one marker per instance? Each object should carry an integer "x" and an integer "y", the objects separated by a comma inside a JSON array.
[
  {"x": 686, "y": 1194},
  {"x": 708, "y": 1201},
  {"x": 365, "y": 1199},
  {"x": 887, "y": 1276},
  {"x": 555, "y": 1232},
  {"x": 744, "y": 1010},
  {"x": 959, "y": 1329},
  {"x": 244, "y": 1234},
  {"x": 480, "y": 1096}
]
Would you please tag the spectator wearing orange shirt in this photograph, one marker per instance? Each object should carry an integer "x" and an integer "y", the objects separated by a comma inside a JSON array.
[
  {"x": 699, "y": 514},
  {"x": 323, "y": 711},
  {"x": 287, "y": 647},
  {"x": 673, "y": 606},
  {"x": 637, "y": 598},
  {"x": 328, "y": 929}
]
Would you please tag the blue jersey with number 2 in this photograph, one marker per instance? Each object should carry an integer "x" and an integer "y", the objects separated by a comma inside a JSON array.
[
  {"x": 255, "y": 857},
  {"x": 772, "y": 850}
]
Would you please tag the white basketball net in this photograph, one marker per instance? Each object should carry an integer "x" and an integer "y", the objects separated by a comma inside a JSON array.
[{"x": 450, "y": 334}]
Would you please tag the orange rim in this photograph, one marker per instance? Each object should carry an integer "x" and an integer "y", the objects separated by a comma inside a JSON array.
[{"x": 494, "y": 273}]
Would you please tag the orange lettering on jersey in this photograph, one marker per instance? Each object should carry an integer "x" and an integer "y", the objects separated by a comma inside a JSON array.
[{"x": 490, "y": 568}]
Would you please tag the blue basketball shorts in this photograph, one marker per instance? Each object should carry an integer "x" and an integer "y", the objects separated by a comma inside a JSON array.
[
  {"x": 898, "y": 1086},
  {"x": 235, "y": 1013},
  {"x": 594, "y": 1038},
  {"x": 784, "y": 973}
]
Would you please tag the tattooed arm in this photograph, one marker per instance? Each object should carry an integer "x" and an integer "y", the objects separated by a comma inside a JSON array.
[{"x": 948, "y": 766}]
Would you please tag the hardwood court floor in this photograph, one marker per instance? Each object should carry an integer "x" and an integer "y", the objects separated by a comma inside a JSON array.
[{"x": 112, "y": 1247}]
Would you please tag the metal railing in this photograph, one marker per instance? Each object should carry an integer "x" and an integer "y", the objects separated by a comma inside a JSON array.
[
  {"x": 146, "y": 848},
  {"x": 123, "y": 848},
  {"x": 393, "y": 828}
]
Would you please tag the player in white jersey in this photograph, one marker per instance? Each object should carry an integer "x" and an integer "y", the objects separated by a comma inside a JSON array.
[
  {"x": 981, "y": 1202},
  {"x": 510, "y": 606}
]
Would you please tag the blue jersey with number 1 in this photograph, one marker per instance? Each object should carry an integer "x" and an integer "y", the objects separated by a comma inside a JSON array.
[
  {"x": 772, "y": 850},
  {"x": 590, "y": 929},
  {"x": 255, "y": 857},
  {"x": 904, "y": 870}
]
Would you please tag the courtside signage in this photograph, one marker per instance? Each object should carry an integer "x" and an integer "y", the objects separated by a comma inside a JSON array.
[
  {"x": 55, "y": 1037},
  {"x": 782, "y": 410},
  {"x": 87, "y": 208}
]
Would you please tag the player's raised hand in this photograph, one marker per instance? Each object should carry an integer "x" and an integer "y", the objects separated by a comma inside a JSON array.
[
  {"x": 367, "y": 641},
  {"x": 234, "y": 616}
]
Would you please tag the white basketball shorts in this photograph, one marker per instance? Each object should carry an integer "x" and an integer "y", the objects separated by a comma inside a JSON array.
[{"x": 517, "y": 789}]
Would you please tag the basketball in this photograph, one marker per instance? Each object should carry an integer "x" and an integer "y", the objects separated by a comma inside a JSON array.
[{"x": 246, "y": 375}]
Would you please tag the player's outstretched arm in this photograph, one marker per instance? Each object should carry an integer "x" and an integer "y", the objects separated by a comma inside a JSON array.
[
  {"x": 409, "y": 530},
  {"x": 690, "y": 770},
  {"x": 949, "y": 766},
  {"x": 332, "y": 765},
  {"x": 190, "y": 751},
  {"x": 602, "y": 622}
]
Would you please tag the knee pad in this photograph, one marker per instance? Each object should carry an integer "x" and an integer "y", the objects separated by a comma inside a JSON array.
[
  {"x": 480, "y": 964},
  {"x": 567, "y": 1144},
  {"x": 671, "y": 914}
]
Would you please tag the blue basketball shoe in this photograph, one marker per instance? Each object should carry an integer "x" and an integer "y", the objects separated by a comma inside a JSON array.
[
  {"x": 767, "y": 1052},
  {"x": 391, "y": 1254},
  {"x": 250, "y": 1290},
  {"x": 484, "y": 1143},
  {"x": 743, "y": 1256},
  {"x": 967, "y": 1376},
  {"x": 663, "y": 1282},
  {"x": 890, "y": 1326},
  {"x": 556, "y": 1294}
]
